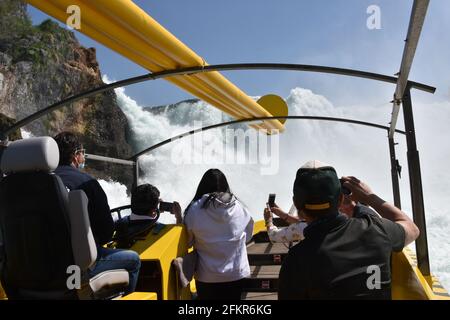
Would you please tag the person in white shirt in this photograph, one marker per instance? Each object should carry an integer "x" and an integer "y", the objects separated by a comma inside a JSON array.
[
  {"x": 219, "y": 227},
  {"x": 291, "y": 233},
  {"x": 294, "y": 232}
]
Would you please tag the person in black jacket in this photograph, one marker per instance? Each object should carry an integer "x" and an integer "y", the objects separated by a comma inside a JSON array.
[
  {"x": 341, "y": 257},
  {"x": 71, "y": 161}
]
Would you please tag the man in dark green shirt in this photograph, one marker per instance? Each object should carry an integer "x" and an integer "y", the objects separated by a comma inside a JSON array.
[{"x": 341, "y": 257}]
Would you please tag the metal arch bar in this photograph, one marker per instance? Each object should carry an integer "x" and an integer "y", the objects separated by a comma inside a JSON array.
[
  {"x": 210, "y": 68},
  {"x": 109, "y": 159},
  {"x": 315, "y": 68},
  {"x": 223, "y": 124}
]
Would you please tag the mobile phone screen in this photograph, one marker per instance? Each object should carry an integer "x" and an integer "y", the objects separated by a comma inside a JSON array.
[
  {"x": 165, "y": 206},
  {"x": 272, "y": 199}
]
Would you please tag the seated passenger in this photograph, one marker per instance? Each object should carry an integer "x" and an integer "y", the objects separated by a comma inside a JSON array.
[
  {"x": 145, "y": 212},
  {"x": 219, "y": 226},
  {"x": 71, "y": 160},
  {"x": 294, "y": 232},
  {"x": 145, "y": 205},
  {"x": 338, "y": 256}
]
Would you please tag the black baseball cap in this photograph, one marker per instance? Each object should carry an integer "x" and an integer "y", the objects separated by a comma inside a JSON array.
[{"x": 317, "y": 186}]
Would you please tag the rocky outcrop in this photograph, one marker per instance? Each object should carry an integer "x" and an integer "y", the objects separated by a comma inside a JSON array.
[
  {"x": 41, "y": 65},
  {"x": 158, "y": 110},
  {"x": 6, "y": 122}
]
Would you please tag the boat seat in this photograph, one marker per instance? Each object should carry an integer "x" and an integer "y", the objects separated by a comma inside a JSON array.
[
  {"x": 128, "y": 232},
  {"x": 46, "y": 240}
]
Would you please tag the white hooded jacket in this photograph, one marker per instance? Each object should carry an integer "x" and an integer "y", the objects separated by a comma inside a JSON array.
[{"x": 220, "y": 233}]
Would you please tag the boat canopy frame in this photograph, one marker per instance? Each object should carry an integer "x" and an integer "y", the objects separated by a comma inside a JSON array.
[
  {"x": 210, "y": 68},
  {"x": 402, "y": 96},
  {"x": 412, "y": 153}
]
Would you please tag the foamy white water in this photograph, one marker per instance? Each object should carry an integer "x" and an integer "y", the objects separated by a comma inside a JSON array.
[
  {"x": 26, "y": 134},
  {"x": 116, "y": 193},
  {"x": 353, "y": 150}
]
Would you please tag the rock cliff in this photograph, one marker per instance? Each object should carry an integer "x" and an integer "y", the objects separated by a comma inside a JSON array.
[{"x": 43, "y": 64}]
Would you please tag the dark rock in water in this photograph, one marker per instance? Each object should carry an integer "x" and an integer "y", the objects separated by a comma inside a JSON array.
[
  {"x": 157, "y": 110},
  {"x": 187, "y": 112},
  {"x": 41, "y": 65}
]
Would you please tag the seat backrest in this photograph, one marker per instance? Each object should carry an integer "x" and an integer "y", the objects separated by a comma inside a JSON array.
[
  {"x": 83, "y": 242},
  {"x": 35, "y": 218}
]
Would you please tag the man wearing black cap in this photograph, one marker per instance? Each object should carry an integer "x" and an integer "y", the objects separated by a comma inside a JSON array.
[{"x": 341, "y": 257}]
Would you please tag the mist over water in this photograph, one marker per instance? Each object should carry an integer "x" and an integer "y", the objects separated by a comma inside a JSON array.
[{"x": 353, "y": 150}]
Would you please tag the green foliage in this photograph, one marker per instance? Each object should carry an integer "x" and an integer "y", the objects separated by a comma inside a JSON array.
[
  {"x": 59, "y": 33},
  {"x": 14, "y": 20},
  {"x": 35, "y": 52},
  {"x": 48, "y": 26},
  {"x": 40, "y": 44}
]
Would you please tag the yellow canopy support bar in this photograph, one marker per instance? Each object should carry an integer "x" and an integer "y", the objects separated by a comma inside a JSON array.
[{"x": 127, "y": 29}]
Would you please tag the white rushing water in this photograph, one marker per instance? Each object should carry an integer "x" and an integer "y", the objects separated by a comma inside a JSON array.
[{"x": 352, "y": 150}]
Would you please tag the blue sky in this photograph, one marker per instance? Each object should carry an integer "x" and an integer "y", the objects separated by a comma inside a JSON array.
[{"x": 321, "y": 32}]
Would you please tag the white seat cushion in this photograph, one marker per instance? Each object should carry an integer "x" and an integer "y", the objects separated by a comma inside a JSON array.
[{"x": 109, "y": 279}]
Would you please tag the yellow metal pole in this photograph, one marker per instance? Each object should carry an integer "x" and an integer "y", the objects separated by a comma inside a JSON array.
[
  {"x": 134, "y": 18},
  {"x": 191, "y": 85}
]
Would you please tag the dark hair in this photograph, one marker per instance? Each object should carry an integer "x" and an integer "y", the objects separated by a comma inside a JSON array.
[
  {"x": 144, "y": 198},
  {"x": 68, "y": 143},
  {"x": 212, "y": 182}
]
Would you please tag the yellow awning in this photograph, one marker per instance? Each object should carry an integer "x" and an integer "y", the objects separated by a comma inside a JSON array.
[{"x": 125, "y": 28}]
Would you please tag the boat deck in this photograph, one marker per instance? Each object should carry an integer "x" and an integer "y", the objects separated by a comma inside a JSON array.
[{"x": 265, "y": 260}]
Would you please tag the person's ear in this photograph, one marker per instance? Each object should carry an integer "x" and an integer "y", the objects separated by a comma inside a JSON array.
[{"x": 74, "y": 159}]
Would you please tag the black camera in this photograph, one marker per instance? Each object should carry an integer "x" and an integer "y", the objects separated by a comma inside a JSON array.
[
  {"x": 165, "y": 206},
  {"x": 272, "y": 200},
  {"x": 346, "y": 191}
]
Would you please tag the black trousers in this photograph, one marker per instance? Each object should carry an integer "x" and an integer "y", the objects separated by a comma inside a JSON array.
[{"x": 219, "y": 290}]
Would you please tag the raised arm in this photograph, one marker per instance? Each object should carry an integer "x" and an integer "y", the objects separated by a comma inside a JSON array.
[
  {"x": 176, "y": 211},
  {"x": 283, "y": 215},
  {"x": 361, "y": 192},
  {"x": 294, "y": 232}
]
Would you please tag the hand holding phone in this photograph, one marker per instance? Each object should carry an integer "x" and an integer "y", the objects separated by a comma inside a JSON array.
[
  {"x": 165, "y": 206},
  {"x": 267, "y": 213},
  {"x": 271, "y": 200}
]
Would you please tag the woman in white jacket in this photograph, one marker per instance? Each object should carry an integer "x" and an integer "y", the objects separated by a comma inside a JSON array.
[{"x": 219, "y": 226}]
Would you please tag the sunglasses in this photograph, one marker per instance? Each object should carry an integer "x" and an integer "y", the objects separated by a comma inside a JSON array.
[{"x": 82, "y": 151}]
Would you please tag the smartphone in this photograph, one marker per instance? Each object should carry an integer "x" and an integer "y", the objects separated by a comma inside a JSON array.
[
  {"x": 346, "y": 191},
  {"x": 165, "y": 206},
  {"x": 271, "y": 200}
]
